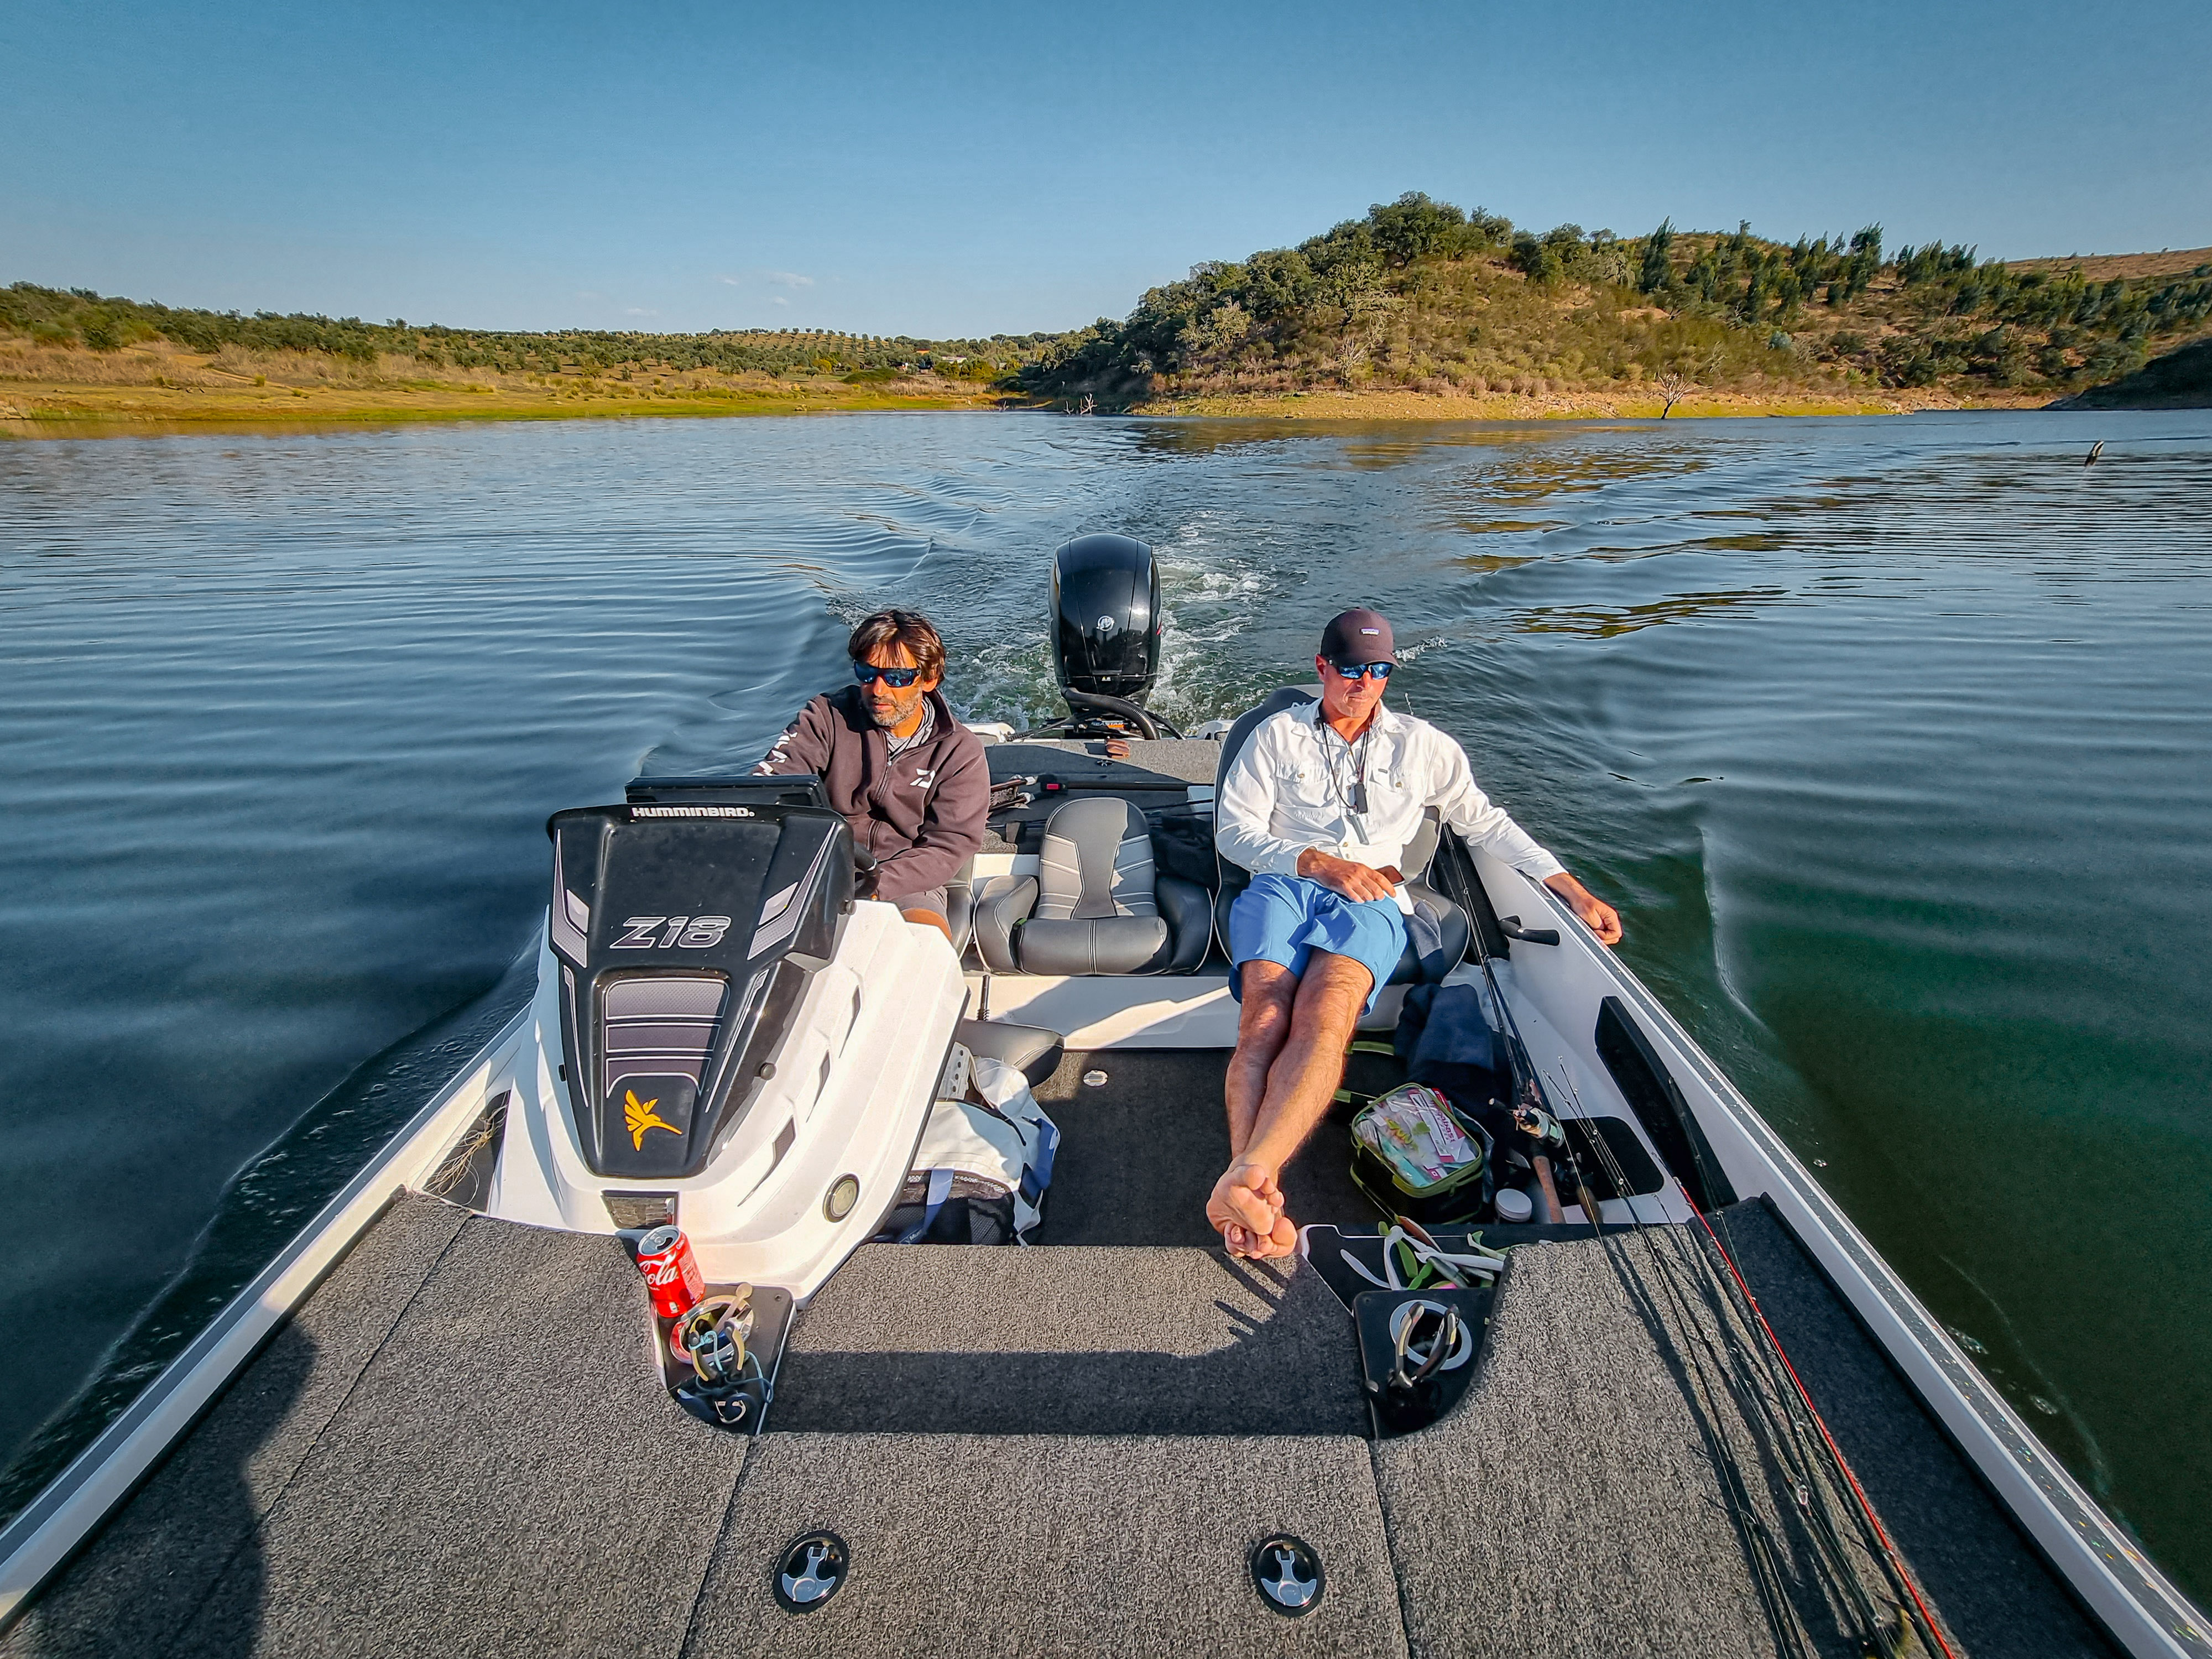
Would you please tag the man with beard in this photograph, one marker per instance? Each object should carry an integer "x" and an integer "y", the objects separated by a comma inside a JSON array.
[{"x": 909, "y": 778}]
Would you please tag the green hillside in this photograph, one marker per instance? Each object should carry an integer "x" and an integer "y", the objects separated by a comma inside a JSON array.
[{"x": 1421, "y": 295}]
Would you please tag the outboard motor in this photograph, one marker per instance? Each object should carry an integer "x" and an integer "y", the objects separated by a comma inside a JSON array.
[
  {"x": 685, "y": 934},
  {"x": 1106, "y": 630}
]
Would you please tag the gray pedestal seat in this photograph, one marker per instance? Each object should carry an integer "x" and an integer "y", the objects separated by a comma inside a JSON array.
[{"x": 1096, "y": 905}]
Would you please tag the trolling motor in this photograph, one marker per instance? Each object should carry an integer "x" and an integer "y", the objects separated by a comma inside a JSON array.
[{"x": 1106, "y": 636}]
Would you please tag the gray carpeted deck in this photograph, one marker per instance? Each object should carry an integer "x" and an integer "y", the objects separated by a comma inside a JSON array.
[
  {"x": 462, "y": 1446},
  {"x": 1018, "y": 1546},
  {"x": 1578, "y": 1504},
  {"x": 1059, "y": 1340},
  {"x": 1139, "y": 1154},
  {"x": 144, "y": 1576}
]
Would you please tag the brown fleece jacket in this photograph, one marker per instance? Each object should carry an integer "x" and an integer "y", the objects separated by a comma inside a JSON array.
[{"x": 922, "y": 815}]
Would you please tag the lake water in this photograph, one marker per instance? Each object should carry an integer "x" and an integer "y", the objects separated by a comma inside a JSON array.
[{"x": 1891, "y": 739}]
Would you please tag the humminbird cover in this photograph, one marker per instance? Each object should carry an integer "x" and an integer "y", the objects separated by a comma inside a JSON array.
[{"x": 685, "y": 934}]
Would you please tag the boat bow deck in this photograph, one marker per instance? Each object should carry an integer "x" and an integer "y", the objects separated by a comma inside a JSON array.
[{"x": 461, "y": 1445}]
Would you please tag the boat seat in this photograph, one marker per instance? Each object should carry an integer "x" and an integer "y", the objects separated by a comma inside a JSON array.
[
  {"x": 1415, "y": 967},
  {"x": 1097, "y": 904},
  {"x": 960, "y": 905},
  {"x": 1032, "y": 1050}
]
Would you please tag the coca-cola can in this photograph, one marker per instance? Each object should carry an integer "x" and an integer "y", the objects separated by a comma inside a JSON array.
[{"x": 671, "y": 1271}]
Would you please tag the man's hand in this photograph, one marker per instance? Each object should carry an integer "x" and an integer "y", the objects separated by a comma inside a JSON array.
[
  {"x": 1597, "y": 915},
  {"x": 1355, "y": 882}
]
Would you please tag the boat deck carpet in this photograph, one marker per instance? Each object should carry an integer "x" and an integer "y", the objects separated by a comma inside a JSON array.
[
  {"x": 1013, "y": 1545},
  {"x": 1601, "y": 1490},
  {"x": 1059, "y": 1340},
  {"x": 1139, "y": 1153},
  {"x": 461, "y": 1445},
  {"x": 144, "y": 1575}
]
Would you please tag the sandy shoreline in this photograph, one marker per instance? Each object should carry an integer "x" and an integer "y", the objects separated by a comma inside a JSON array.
[
  {"x": 29, "y": 409},
  {"x": 125, "y": 406}
]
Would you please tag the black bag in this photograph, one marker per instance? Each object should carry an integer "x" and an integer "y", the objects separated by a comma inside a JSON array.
[
  {"x": 957, "y": 1220},
  {"x": 1182, "y": 845}
]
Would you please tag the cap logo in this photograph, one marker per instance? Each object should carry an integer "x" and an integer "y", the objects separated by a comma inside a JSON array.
[{"x": 1370, "y": 630}]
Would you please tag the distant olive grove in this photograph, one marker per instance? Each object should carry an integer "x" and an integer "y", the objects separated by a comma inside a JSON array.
[
  {"x": 1422, "y": 295},
  {"x": 81, "y": 319}
]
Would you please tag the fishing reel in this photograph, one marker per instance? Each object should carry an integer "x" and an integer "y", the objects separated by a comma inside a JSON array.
[
  {"x": 1540, "y": 1125},
  {"x": 726, "y": 1386}
]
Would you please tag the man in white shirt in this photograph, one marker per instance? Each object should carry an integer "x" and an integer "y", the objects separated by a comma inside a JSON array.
[{"x": 1319, "y": 806}]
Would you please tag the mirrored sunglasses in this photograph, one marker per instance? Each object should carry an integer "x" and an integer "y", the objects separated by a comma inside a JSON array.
[
  {"x": 868, "y": 673},
  {"x": 1361, "y": 670}
]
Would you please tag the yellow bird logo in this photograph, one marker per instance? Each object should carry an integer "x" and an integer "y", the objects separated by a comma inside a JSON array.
[{"x": 638, "y": 1116}]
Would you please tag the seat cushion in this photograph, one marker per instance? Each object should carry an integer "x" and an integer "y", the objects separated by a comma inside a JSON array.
[
  {"x": 1001, "y": 905},
  {"x": 1109, "y": 944},
  {"x": 960, "y": 904},
  {"x": 1430, "y": 955},
  {"x": 1032, "y": 1050}
]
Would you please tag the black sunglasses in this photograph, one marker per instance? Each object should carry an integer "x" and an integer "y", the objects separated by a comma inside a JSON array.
[
  {"x": 1361, "y": 670},
  {"x": 868, "y": 673}
]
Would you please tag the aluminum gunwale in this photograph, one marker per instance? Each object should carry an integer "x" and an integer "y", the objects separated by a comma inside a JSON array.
[
  {"x": 2142, "y": 1609},
  {"x": 74, "y": 1504}
]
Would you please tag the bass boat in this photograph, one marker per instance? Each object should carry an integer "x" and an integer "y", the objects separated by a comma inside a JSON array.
[{"x": 1646, "y": 1390}]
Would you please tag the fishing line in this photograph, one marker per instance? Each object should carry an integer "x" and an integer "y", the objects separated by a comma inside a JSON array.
[
  {"x": 1759, "y": 1407},
  {"x": 1736, "y": 1288},
  {"x": 1766, "y": 1572}
]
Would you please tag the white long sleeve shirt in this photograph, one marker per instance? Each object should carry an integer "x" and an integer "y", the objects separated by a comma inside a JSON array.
[{"x": 1293, "y": 784}]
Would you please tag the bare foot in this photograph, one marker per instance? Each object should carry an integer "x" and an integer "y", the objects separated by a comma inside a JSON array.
[{"x": 1247, "y": 1209}]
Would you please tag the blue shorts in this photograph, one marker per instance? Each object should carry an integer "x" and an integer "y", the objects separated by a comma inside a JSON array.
[{"x": 1286, "y": 919}]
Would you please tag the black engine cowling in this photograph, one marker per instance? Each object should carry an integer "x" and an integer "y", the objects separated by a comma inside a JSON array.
[
  {"x": 685, "y": 935},
  {"x": 1106, "y": 617}
]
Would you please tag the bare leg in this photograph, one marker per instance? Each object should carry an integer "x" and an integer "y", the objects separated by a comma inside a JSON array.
[
  {"x": 1300, "y": 1084},
  {"x": 1263, "y": 1026},
  {"x": 930, "y": 918}
]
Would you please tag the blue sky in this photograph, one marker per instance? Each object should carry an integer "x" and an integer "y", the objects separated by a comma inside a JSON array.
[{"x": 978, "y": 168}]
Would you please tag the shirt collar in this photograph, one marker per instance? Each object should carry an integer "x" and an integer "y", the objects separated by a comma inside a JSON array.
[{"x": 1387, "y": 719}]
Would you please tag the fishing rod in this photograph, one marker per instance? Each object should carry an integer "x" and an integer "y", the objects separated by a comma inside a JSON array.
[
  {"x": 1872, "y": 1538},
  {"x": 1531, "y": 1100},
  {"x": 1774, "y": 1401},
  {"x": 1755, "y": 1408},
  {"x": 1532, "y": 1109}
]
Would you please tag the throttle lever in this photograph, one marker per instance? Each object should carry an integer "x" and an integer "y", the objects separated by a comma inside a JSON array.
[{"x": 1511, "y": 928}]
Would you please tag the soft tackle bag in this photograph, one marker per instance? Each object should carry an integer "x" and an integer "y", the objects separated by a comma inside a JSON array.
[
  {"x": 1414, "y": 1156},
  {"x": 980, "y": 1175}
]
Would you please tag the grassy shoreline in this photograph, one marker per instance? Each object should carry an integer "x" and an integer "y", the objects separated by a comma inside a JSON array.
[
  {"x": 25, "y": 409},
  {"x": 66, "y": 404}
]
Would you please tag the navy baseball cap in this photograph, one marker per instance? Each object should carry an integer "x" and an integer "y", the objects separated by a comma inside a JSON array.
[{"x": 1358, "y": 635}]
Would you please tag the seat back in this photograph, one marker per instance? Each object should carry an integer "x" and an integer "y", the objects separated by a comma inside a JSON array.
[
  {"x": 1234, "y": 877},
  {"x": 1096, "y": 862},
  {"x": 1095, "y": 911}
]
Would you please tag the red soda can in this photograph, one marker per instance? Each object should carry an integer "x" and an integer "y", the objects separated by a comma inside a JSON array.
[{"x": 671, "y": 1271}]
